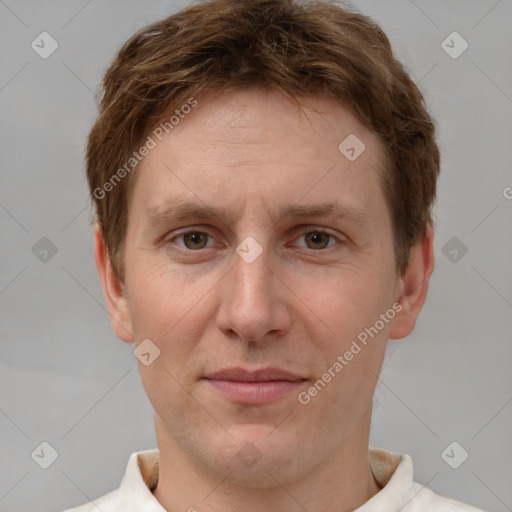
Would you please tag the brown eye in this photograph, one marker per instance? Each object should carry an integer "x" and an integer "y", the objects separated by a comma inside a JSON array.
[
  {"x": 191, "y": 240},
  {"x": 195, "y": 240},
  {"x": 317, "y": 239}
]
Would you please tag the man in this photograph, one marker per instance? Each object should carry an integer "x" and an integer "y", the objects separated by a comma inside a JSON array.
[{"x": 263, "y": 174}]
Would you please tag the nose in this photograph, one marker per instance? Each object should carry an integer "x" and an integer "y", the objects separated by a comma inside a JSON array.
[{"x": 253, "y": 301}]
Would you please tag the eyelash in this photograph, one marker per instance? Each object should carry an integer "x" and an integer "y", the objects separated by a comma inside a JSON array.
[{"x": 310, "y": 231}]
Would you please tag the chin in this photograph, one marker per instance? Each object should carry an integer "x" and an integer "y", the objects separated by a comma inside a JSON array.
[
  {"x": 253, "y": 479},
  {"x": 264, "y": 474},
  {"x": 256, "y": 461}
]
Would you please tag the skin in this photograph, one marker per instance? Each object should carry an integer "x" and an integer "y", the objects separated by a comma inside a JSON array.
[{"x": 298, "y": 306}]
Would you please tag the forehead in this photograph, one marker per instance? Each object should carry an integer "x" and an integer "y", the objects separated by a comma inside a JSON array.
[
  {"x": 236, "y": 145},
  {"x": 262, "y": 117}
]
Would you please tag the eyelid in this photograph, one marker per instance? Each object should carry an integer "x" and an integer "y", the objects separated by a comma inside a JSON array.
[
  {"x": 314, "y": 229},
  {"x": 304, "y": 230},
  {"x": 186, "y": 231}
]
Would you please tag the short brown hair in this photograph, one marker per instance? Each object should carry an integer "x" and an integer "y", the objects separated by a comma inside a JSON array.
[{"x": 297, "y": 48}]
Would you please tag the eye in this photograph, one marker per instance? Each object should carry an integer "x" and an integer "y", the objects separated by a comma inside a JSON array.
[
  {"x": 318, "y": 239},
  {"x": 192, "y": 240}
]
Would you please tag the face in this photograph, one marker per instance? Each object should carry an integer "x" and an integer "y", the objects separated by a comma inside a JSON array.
[{"x": 253, "y": 288}]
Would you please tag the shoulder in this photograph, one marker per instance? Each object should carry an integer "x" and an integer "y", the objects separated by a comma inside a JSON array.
[
  {"x": 110, "y": 502},
  {"x": 134, "y": 493},
  {"x": 394, "y": 473},
  {"x": 426, "y": 500}
]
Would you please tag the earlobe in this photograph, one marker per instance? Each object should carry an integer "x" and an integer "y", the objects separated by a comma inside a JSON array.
[
  {"x": 113, "y": 289},
  {"x": 414, "y": 286}
]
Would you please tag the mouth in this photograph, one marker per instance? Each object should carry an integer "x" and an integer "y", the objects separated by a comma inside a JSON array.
[{"x": 254, "y": 387}]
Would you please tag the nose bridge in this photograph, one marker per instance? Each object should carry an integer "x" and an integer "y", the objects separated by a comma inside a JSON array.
[
  {"x": 251, "y": 274},
  {"x": 250, "y": 305}
]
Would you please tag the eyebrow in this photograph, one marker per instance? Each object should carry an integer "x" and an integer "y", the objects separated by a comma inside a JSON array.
[{"x": 184, "y": 209}]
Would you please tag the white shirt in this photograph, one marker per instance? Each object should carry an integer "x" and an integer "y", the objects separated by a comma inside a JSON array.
[{"x": 393, "y": 472}]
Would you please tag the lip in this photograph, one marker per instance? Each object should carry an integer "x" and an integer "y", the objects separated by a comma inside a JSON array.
[
  {"x": 262, "y": 375},
  {"x": 254, "y": 387}
]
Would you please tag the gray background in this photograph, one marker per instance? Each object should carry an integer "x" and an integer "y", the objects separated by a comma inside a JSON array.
[{"x": 67, "y": 380}]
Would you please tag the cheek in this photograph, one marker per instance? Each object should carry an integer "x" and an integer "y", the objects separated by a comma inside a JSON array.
[
  {"x": 161, "y": 296},
  {"x": 349, "y": 306},
  {"x": 346, "y": 301},
  {"x": 171, "y": 308}
]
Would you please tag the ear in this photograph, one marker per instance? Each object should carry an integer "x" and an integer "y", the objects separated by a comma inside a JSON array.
[
  {"x": 414, "y": 286},
  {"x": 113, "y": 289}
]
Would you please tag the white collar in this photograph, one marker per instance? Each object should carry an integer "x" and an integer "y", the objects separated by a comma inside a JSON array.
[{"x": 393, "y": 472}]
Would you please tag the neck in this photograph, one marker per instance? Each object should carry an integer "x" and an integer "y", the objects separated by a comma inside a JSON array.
[{"x": 343, "y": 482}]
